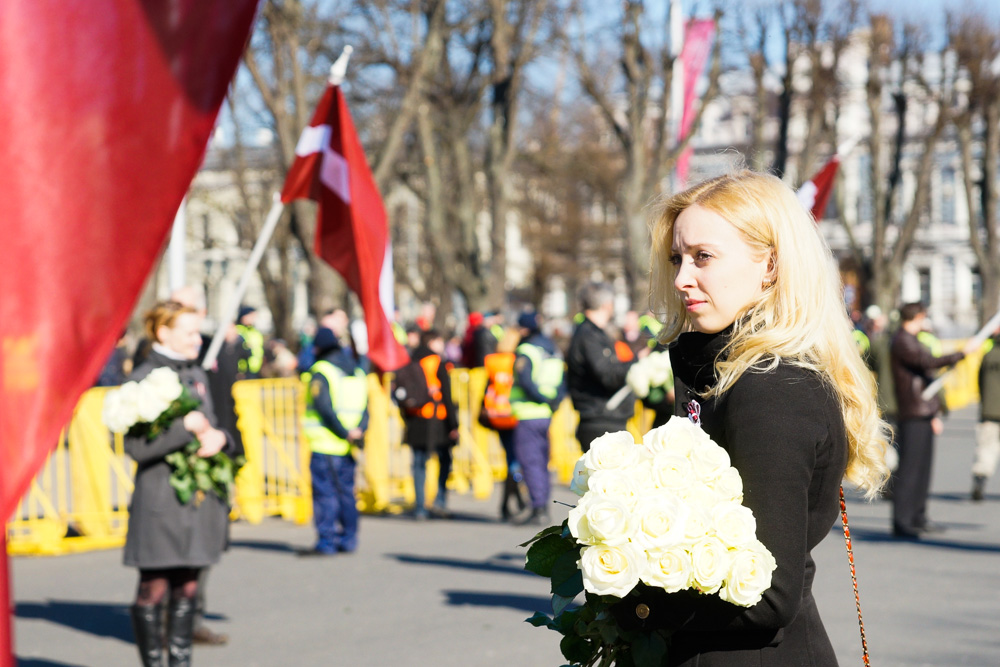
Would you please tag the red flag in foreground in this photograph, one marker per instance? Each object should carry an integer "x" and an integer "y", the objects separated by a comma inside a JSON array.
[
  {"x": 698, "y": 35},
  {"x": 108, "y": 106},
  {"x": 815, "y": 193},
  {"x": 352, "y": 234}
]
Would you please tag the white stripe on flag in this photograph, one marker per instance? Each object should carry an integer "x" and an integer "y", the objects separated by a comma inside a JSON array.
[
  {"x": 386, "y": 280},
  {"x": 807, "y": 195},
  {"x": 313, "y": 139},
  {"x": 335, "y": 174}
]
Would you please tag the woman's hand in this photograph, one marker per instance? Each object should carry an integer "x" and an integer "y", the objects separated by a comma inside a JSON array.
[
  {"x": 212, "y": 441},
  {"x": 196, "y": 422}
]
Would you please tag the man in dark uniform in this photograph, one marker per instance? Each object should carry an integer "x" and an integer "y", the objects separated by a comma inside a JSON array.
[
  {"x": 593, "y": 370},
  {"x": 911, "y": 362}
]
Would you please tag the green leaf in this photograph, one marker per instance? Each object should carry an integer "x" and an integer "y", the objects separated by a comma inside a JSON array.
[
  {"x": 551, "y": 530},
  {"x": 649, "y": 648},
  {"x": 567, "y": 579},
  {"x": 560, "y": 602},
  {"x": 576, "y": 649},
  {"x": 545, "y": 552},
  {"x": 538, "y": 619}
]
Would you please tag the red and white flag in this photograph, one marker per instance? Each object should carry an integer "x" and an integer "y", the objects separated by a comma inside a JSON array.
[
  {"x": 698, "y": 35},
  {"x": 107, "y": 108},
  {"x": 815, "y": 193},
  {"x": 352, "y": 231}
]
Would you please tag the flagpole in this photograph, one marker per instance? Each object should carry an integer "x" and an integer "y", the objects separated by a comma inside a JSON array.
[
  {"x": 7, "y": 617},
  {"x": 975, "y": 342},
  {"x": 229, "y": 315}
]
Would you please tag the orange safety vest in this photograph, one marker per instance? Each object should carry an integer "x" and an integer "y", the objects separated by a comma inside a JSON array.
[
  {"x": 496, "y": 401},
  {"x": 623, "y": 351},
  {"x": 435, "y": 407}
]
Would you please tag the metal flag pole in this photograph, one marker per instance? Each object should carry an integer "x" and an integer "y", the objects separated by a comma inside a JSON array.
[
  {"x": 229, "y": 314},
  {"x": 977, "y": 341},
  {"x": 7, "y": 618}
]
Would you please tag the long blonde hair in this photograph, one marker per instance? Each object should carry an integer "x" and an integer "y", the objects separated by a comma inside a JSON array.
[{"x": 800, "y": 317}]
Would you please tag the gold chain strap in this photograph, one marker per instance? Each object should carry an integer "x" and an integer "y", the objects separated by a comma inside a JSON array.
[{"x": 854, "y": 577}]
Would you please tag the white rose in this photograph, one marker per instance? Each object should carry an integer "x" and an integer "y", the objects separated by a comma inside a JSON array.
[
  {"x": 698, "y": 524},
  {"x": 669, "y": 569},
  {"x": 150, "y": 406},
  {"x": 113, "y": 413},
  {"x": 660, "y": 521},
  {"x": 581, "y": 475},
  {"x": 670, "y": 471},
  {"x": 709, "y": 460},
  {"x": 164, "y": 383},
  {"x": 749, "y": 575},
  {"x": 710, "y": 560},
  {"x": 600, "y": 520},
  {"x": 728, "y": 485},
  {"x": 734, "y": 524},
  {"x": 128, "y": 403},
  {"x": 637, "y": 379},
  {"x": 618, "y": 483},
  {"x": 611, "y": 570},
  {"x": 699, "y": 494},
  {"x": 612, "y": 450},
  {"x": 659, "y": 376},
  {"x": 678, "y": 436}
]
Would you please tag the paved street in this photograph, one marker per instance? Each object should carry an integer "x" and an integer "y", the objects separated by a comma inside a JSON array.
[{"x": 454, "y": 593}]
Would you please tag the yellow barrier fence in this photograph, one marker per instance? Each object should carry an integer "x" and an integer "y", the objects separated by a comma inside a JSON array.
[{"x": 79, "y": 501}]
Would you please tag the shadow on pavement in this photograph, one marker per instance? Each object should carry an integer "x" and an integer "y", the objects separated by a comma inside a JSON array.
[
  {"x": 42, "y": 662},
  {"x": 874, "y": 535},
  {"x": 479, "y": 565},
  {"x": 262, "y": 545},
  {"x": 964, "y": 498},
  {"x": 455, "y": 517},
  {"x": 527, "y": 603},
  {"x": 101, "y": 619}
]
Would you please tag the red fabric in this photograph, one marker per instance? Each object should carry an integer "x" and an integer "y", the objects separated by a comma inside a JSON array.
[
  {"x": 697, "y": 45},
  {"x": 108, "y": 106},
  {"x": 351, "y": 235},
  {"x": 823, "y": 184}
]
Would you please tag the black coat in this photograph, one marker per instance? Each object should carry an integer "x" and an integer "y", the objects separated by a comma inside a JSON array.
[
  {"x": 425, "y": 434},
  {"x": 163, "y": 533},
  {"x": 785, "y": 435},
  {"x": 911, "y": 366},
  {"x": 594, "y": 374}
]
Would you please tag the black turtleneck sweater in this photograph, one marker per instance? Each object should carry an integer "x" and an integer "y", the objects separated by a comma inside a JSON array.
[{"x": 785, "y": 435}]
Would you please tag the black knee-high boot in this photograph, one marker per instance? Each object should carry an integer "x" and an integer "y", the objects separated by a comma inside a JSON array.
[
  {"x": 147, "y": 624},
  {"x": 180, "y": 630}
]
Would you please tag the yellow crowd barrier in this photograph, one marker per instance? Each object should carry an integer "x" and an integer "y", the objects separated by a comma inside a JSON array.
[{"x": 79, "y": 501}]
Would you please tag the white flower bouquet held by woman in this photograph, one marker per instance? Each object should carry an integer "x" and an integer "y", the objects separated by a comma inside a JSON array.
[
  {"x": 648, "y": 378},
  {"x": 147, "y": 408},
  {"x": 664, "y": 514}
]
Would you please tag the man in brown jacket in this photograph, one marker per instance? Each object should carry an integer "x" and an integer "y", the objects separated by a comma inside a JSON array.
[{"x": 911, "y": 362}]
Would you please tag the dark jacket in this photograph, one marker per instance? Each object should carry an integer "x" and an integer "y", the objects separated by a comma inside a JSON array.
[
  {"x": 478, "y": 342},
  {"x": 421, "y": 433},
  {"x": 989, "y": 384},
  {"x": 163, "y": 533},
  {"x": 911, "y": 362},
  {"x": 594, "y": 374},
  {"x": 523, "y": 369},
  {"x": 323, "y": 401},
  {"x": 785, "y": 435}
]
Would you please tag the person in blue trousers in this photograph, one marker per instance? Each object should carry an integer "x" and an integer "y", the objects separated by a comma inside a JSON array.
[{"x": 335, "y": 421}]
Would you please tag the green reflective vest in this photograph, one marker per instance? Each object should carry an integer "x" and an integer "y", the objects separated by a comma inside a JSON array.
[
  {"x": 253, "y": 340},
  {"x": 547, "y": 374},
  {"x": 349, "y": 395},
  {"x": 861, "y": 340},
  {"x": 931, "y": 342}
]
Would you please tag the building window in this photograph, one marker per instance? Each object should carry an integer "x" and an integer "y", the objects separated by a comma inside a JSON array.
[
  {"x": 925, "y": 285},
  {"x": 948, "y": 196}
]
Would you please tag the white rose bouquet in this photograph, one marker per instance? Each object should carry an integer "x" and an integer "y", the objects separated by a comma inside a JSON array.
[
  {"x": 664, "y": 514},
  {"x": 147, "y": 408},
  {"x": 650, "y": 379}
]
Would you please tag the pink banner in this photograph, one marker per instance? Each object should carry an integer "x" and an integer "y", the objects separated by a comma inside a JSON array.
[{"x": 698, "y": 35}]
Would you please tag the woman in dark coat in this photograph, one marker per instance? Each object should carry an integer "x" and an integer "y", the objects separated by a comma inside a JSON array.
[
  {"x": 766, "y": 361},
  {"x": 167, "y": 540}
]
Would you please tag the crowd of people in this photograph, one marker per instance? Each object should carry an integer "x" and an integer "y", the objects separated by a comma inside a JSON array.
[{"x": 765, "y": 361}]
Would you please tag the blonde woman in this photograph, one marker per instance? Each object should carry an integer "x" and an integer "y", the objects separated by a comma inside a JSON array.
[{"x": 763, "y": 356}]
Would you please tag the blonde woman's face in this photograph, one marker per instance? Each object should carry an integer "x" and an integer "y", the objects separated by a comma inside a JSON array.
[
  {"x": 717, "y": 274},
  {"x": 184, "y": 337}
]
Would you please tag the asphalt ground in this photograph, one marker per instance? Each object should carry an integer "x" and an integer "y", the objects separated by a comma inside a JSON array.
[{"x": 454, "y": 592}]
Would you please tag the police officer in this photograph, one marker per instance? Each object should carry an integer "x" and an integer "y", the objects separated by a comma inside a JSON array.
[
  {"x": 253, "y": 343},
  {"x": 335, "y": 422},
  {"x": 539, "y": 388}
]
